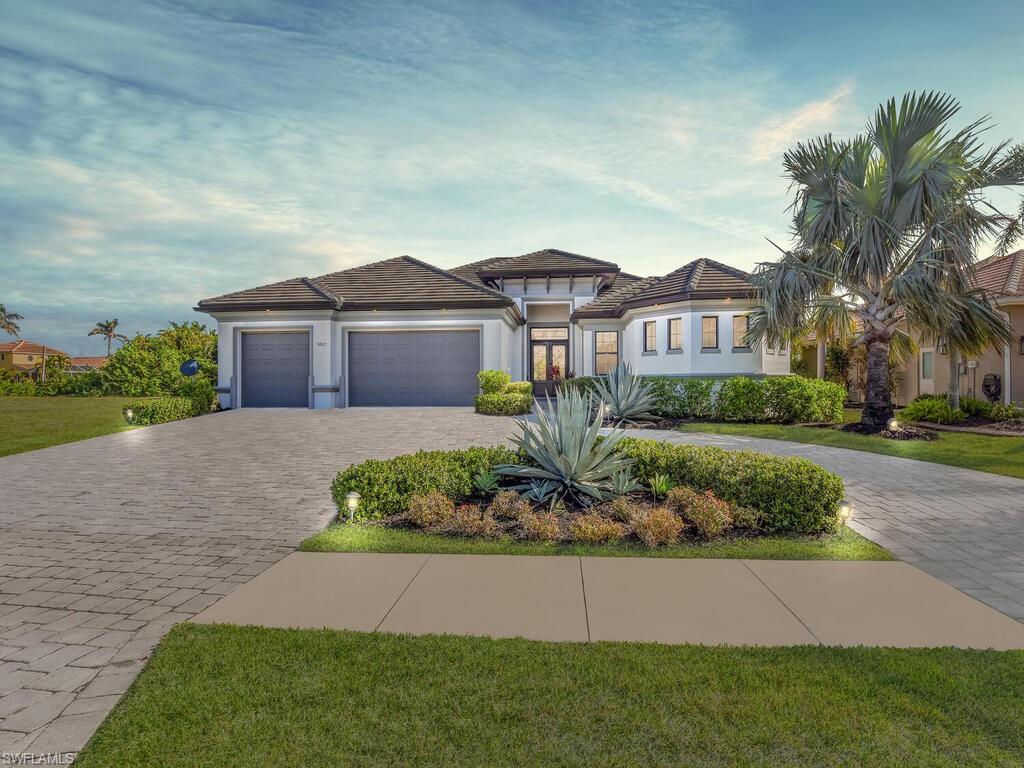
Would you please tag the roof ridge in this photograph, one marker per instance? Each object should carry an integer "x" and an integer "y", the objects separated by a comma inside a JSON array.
[
  {"x": 1016, "y": 273},
  {"x": 446, "y": 273},
  {"x": 698, "y": 270},
  {"x": 323, "y": 291}
]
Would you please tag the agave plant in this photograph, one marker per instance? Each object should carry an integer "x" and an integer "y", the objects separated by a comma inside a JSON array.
[
  {"x": 485, "y": 482},
  {"x": 564, "y": 446},
  {"x": 623, "y": 483},
  {"x": 627, "y": 396}
]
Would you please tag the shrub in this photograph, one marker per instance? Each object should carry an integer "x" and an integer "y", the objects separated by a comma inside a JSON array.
[
  {"x": 934, "y": 410},
  {"x": 386, "y": 485},
  {"x": 746, "y": 518},
  {"x": 85, "y": 384},
  {"x": 678, "y": 398},
  {"x": 792, "y": 493},
  {"x": 503, "y": 403},
  {"x": 1006, "y": 411},
  {"x": 594, "y": 529},
  {"x": 519, "y": 388},
  {"x": 543, "y": 526},
  {"x": 509, "y": 505},
  {"x": 198, "y": 389},
  {"x": 742, "y": 399},
  {"x": 973, "y": 407},
  {"x": 159, "y": 410},
  {"x": 470, "y": 520},
  {"x": 709, "y": 514},
  {"x": 430, "y": 510},
  {"x": 493, "y": 381},
  {"x": 656, "y": 527},
  {"x": 567, "y": 451},
  {"x": 790, "y": 399},
  {"x": 10, "y": 387},
  {"x": 624, "y": 508},
  {"x": 146, "y": 366}
]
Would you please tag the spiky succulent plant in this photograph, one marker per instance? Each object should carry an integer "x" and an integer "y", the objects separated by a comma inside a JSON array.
[{"x": 627, "y": 397}]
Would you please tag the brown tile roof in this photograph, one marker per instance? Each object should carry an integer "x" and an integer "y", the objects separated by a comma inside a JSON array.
[
  {"x": 700, "y": 279},
  {"x": 399, "y": 283},
  {"x": 88, "y": 362},
  {"x": 1001, "y": 275},
  {"x": 550, "y": 261},
  {"x": 23, "y": 347}
]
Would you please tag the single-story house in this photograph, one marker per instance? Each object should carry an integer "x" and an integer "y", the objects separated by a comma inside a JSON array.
[
  {"x": 404, "y": 332},
  {"x": 927, "y": 372},
  {"x": 88, "y": 363}
]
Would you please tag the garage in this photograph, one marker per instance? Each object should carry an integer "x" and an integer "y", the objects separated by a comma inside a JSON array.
[
  {"x": 395, "y": 368},
  {"x": 275, "y": 369}
]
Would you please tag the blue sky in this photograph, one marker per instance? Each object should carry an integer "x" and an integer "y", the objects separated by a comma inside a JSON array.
[{"x": 154, "y": 153}]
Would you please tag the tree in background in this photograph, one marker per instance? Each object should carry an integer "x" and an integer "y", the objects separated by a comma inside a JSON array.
[
  {"x": 9, "y": 322},
  {"x": 150, "y": 365},
  {"x": 108, "y": 330},
  {"x": 886, "y": 226}
]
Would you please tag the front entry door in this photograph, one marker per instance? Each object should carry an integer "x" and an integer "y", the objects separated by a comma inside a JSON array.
[{"x": 549, "y": 359}]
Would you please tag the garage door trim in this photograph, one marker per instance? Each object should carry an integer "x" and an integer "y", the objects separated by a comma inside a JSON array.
[
  {"x": 478, "y": 329},
  {"x": 237, "y": 380}
]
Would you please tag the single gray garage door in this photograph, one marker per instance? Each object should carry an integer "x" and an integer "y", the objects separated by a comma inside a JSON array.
[
  {"x": 275, "y": 370},
  {"x": 413, "y": 367}
]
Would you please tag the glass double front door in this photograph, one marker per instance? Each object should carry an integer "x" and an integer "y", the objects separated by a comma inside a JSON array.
[{"x": 549, "y": 358}]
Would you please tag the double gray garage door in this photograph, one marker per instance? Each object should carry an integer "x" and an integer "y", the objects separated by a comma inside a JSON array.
[
  {"x": 413, "y": 367},
  {"x": 384, "y": 368}
]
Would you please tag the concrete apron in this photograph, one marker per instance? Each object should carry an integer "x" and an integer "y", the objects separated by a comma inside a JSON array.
[{"x": 710, "y": 602}]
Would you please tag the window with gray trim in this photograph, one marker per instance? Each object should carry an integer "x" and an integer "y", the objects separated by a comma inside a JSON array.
[
  {"x": 650, "y": 336},
  {"x": 606, "y": 351},
  {"x": 740, "y": 323},
  {"x": 709, "y": 332},
  {"x": 675, "y": 334}
]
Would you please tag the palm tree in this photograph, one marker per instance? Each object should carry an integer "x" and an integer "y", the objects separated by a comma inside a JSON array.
[
  {"x": 9, "y": 321},
  {"x": 886, "y": 226},
  {"x": 108, "y": 330}
]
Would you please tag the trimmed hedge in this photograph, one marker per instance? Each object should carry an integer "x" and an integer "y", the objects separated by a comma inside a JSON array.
[
  {"x": 520, "y": 388},
  {"x": 386, "y": 485},
  {"x": 160, "y": 409},
  {"x": 493, "y": 381},
  {"x": 503, "y": 403},
  {"x": 773, "y": 399},
  {"x": 793, "y": 494}
]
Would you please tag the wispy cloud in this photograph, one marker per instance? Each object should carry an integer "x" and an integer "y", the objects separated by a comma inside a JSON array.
[{"x": 779, "y": 132}]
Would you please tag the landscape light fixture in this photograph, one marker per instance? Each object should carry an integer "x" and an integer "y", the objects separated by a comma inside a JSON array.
[
  {"x": 893, "y": 425},
  {"x": 352, "y": 502},
  {"x": 129, "y": 414},
  {"x": 845, "y": 511}
]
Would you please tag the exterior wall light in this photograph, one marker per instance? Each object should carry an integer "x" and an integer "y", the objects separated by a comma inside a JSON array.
[
  {"x": 352, "y": 502},
  {"x": 845, "y": 511}
]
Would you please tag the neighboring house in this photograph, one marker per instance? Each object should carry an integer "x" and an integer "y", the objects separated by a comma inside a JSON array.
[
  {"x": 403, "y": 332},
  {"x": 25, "y": 357},
  {"x": 83, "y": 364},
  {"x": 927, "y": 372}
]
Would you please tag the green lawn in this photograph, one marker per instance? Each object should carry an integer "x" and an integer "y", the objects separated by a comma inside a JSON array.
[
  {"x": 987, "y": 453},
  {"x": 234, "y": 696},
  {"x": 37, "y": 422},
  {"x": 845, "y": 545}
]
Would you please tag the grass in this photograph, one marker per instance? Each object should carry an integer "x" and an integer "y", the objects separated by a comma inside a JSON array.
[
  {"x": 244, "y": 696},
  {"x": 37, "y": 422},
  {"x": 845, "y": 545},
  {"x": 986, "y": 453}
]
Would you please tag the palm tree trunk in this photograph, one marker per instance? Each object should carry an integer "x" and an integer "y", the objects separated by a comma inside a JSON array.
[
  {"x": 877, "y": 399},
  {"x": 954, "y": 378},
  {"x": 108, "y": 346}
]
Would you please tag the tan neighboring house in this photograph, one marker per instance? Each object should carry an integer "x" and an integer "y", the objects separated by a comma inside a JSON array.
[
  {"x": 928, "y": 371},
  {"x": 25, "y": 357}
]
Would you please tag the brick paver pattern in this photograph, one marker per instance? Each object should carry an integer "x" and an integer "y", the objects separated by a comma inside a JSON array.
[{"x": 109, "y": 542}]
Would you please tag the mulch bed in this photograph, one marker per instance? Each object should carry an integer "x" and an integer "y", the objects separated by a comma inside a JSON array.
[{"x": 900, "y": 432}]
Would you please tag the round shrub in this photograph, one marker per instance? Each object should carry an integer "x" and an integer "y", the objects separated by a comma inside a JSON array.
[
  {"x": 509, "y": 505},
  {"x": 792, "y": 493},
  {"x": 656, "y": 527},
  {"x": 520, "y": 388},
  {"x": 543, "y": 526},
  {"x": 623, "y": 509},
  {"x": 470, "y": 520},
  {"x": 710, "y": 515},
  {"x": 503, "y": 404},
  {"x": 493, "y": 381},
  {"x": 594, "y": 529},
  {"x": 430, "y": 510}
]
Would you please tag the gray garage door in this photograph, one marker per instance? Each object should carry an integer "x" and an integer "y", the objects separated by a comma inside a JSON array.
[
  {"x": 413, "y": 368},
  {"x": 275, "y": 370}
]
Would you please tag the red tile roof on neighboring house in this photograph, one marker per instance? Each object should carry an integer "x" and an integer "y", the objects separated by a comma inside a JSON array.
[
  {"x": 23, "y": 347},
  {"x": 1001, "y": 275},
  {"x": 88, "y": 362}
]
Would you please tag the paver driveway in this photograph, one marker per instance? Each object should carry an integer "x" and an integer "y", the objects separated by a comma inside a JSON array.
[{"x": 110, "y": 541}]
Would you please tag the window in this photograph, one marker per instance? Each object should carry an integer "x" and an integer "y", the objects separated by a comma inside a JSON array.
[
  {"x": 675, "y": 333},
  {"x": 606, "y": 351},
  {"x": 650, "y": 336},
  {"x": 927, "y": 365},
  {"x": 782, "y": 347},
  {"x": 739, "y": 331},
  {"x": 709, "y": 332}
]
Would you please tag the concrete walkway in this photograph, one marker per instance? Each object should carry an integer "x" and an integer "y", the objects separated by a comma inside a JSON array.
[
  {"x": 959, "y": 525},
  {"x": 711, "y": 602}
]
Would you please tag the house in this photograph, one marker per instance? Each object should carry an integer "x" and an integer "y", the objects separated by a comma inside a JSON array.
[
  {"x": 79, "y": 365},
  {"x": 25, "y": 357},
  {"x": 927, "y": 372},
  {"x": 404, "y": 332}
]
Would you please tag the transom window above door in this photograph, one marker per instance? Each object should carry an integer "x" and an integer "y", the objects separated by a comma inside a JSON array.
[
  {"x": 606, "y": 351},
  {"x": 549, "y": 334}
]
